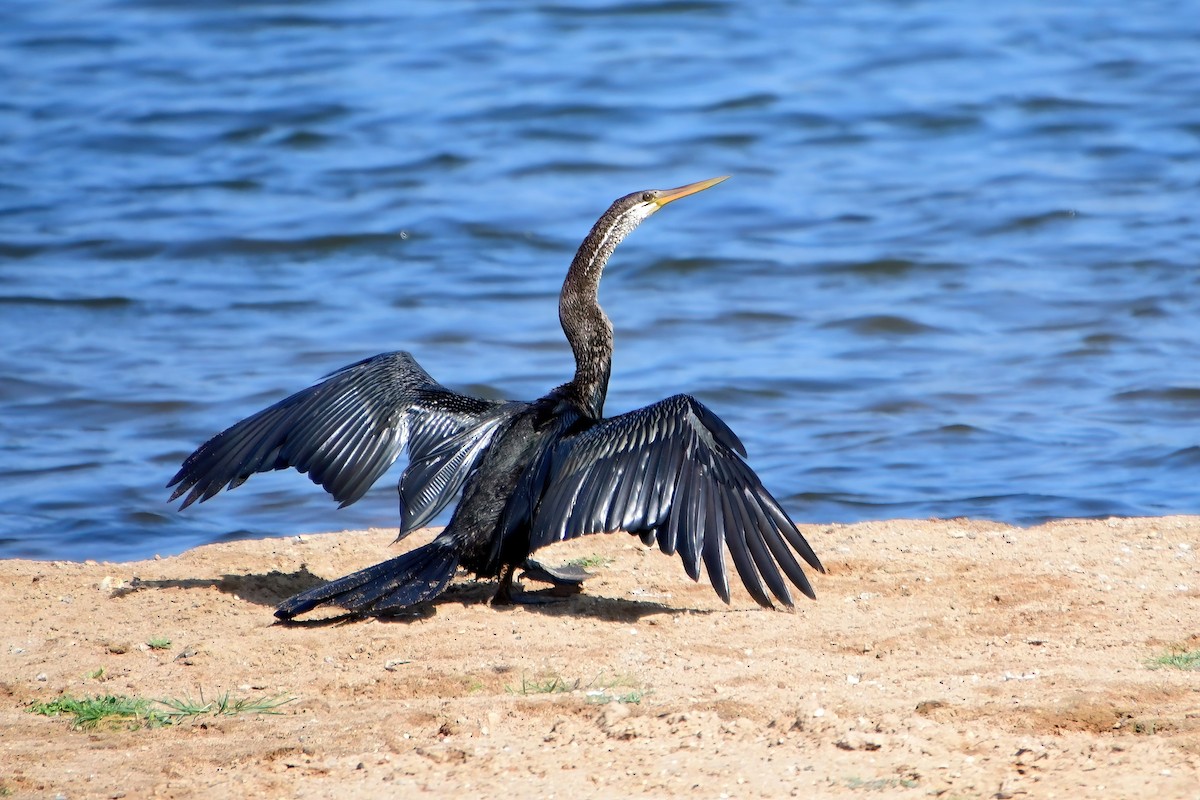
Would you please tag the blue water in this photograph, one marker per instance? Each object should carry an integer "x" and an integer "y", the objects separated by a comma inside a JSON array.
[{"x": 956, "y": 271}]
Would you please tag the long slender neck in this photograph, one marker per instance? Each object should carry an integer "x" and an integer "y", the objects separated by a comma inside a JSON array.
[{"x": 583, "y": 321}]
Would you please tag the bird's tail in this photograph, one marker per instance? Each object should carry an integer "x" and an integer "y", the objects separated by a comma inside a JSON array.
[{"x": 412, "y": 578}]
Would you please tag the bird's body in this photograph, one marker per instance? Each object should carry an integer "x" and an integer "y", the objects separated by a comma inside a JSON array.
[{"x": 529, "y": 473}]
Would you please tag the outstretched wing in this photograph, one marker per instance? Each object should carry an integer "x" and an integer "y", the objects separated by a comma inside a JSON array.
[
  {"x": 674, "y": 474},
  {"x": 346, "y": 431}
]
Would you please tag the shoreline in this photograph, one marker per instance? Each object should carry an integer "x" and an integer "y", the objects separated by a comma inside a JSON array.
[{"x": 942, "y": 657}]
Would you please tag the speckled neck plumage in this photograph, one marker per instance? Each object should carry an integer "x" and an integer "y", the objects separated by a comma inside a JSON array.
[{"x": 584, "y": 322}]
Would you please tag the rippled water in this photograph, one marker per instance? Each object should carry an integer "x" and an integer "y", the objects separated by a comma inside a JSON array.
[{"x": 955, "y": 273}]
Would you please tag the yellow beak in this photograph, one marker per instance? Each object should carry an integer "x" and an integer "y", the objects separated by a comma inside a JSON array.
[{"x": 671, "y": 195}]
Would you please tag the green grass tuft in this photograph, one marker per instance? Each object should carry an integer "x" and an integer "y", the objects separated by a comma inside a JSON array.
[
  {"x": 138, "y": 712},
  {"x": 880, "y": 784},
  {"x": 552, "y": 684},
  {"x": 1177, "y": 659},
  {"x": 599, "y": 690},
  {"x": 159, "y": 643},
  {"x": 591, "y": 562},
  {"x": 89, "y": 712},
  {"x": 223, "y": 706},
  {"x": 602, "y": 696},
  {"x": 617, "y": 689}
]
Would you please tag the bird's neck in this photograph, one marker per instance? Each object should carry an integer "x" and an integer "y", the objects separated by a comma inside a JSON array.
[
  {"x": 592, "y": 345},
  {"x": 583, "y": 321}
]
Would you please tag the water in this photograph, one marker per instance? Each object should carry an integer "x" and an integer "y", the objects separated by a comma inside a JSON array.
[{"x": 954, "y": 274}]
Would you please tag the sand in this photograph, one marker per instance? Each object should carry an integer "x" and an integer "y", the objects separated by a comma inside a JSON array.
[{"x": 952, "y": 659}]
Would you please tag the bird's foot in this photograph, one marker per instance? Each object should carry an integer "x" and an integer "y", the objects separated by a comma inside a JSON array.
[
  {"x": 565, "y": 581},
  {"x": 563, "y": 577}
]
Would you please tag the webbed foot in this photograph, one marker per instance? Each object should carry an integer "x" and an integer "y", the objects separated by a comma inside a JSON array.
[
  {"x": 565, "y": 576},
  {"x": 565, "y": 581}
]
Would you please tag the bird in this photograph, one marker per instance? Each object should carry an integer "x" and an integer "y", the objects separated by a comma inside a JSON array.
[{"x": 527, "y": 474}]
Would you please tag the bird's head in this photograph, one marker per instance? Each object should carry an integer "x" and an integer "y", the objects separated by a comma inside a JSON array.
[
  {"x": 625, "y": 214},
  {"x": 637, "y": 206}
]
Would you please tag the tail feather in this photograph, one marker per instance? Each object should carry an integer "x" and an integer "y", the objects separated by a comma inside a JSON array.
[{"x": 412, "y": 578}]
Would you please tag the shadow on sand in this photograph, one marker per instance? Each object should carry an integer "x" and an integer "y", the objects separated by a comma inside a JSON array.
[{"x": 271, "y": 588}]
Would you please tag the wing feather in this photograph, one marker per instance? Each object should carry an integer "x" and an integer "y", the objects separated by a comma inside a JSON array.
[
  {"x": 735, "y": 541},
  {"x": 691, "y": 500},
  {"x": 347, "y": 430},
  {"x": 673, "y": 473},
  {"x": 438, "y": 467},
  {"x": 779, "y": 549},
  {"x": 768, "y": 570}
]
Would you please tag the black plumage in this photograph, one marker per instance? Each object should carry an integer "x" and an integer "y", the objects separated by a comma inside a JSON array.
[{"x": 529, "y": 474}]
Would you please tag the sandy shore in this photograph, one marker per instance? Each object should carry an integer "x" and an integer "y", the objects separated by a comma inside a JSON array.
[{"x": 948, "y": 659}]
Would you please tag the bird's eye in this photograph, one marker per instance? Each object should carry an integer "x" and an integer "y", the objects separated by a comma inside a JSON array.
[{"x": 647, "y": 197}]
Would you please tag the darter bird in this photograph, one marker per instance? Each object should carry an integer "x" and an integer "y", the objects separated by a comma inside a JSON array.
[{"x": 529, "y": 473}]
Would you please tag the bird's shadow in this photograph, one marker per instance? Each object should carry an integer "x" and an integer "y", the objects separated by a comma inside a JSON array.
[
  {"x": 264, "y": 589},
  {"x": 271, "y": 588}
]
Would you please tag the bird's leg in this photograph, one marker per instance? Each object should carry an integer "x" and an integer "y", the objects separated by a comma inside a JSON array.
[{"x": 504, "y": 593}]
